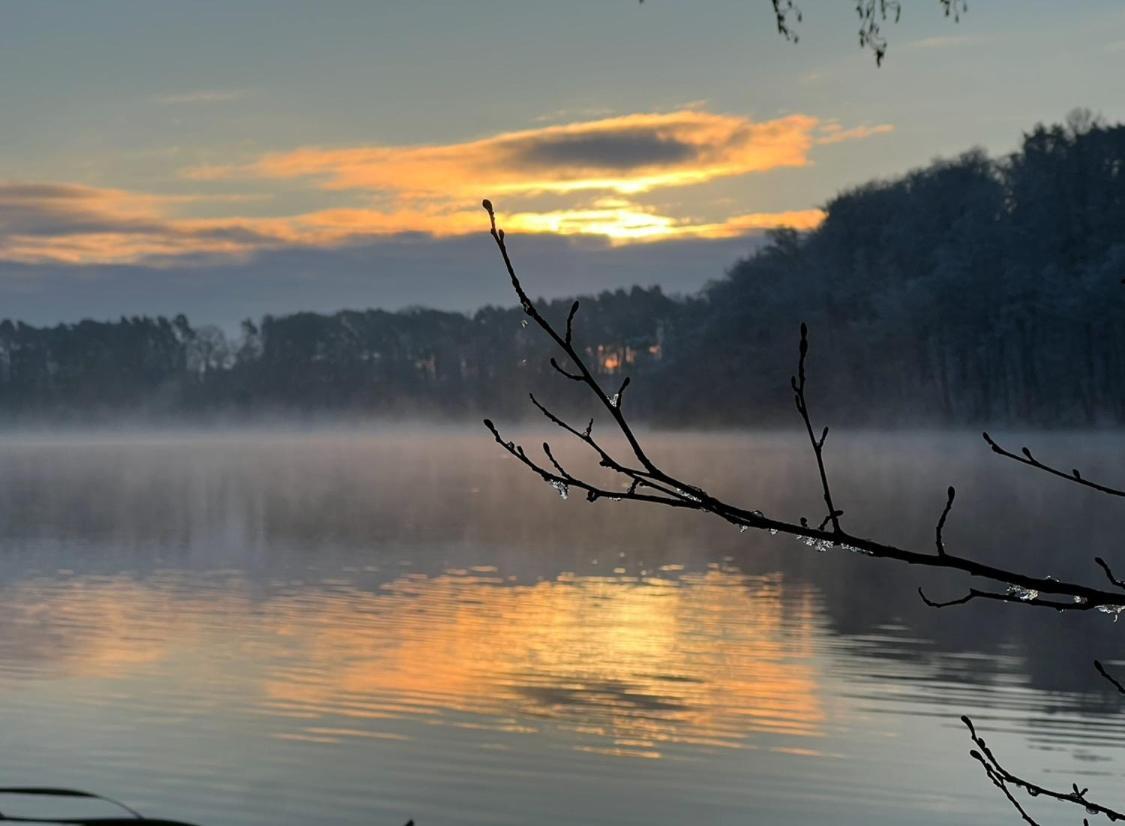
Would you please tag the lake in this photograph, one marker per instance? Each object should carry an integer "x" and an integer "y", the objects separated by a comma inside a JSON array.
[{"x": 363, "y": 626}]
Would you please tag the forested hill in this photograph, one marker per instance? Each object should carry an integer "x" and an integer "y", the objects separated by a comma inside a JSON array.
[{"x": 974, "y": 290}]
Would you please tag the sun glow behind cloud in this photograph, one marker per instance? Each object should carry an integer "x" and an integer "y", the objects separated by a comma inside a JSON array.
[{"x": 585, "y": 178}]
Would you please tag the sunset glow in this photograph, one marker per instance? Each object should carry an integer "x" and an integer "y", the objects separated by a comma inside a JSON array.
[
  {"x": 241, "y": 159},
  {"x": 582, "y": 178}
]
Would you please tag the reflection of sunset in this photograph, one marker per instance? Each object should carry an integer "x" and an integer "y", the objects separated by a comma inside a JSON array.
[
  {"x": 620, "y": 666},
  {"x": 54, "y": 628}
]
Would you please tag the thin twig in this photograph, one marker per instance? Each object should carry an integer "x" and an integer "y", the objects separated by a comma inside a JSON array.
[
  {"x": 570, "y": 322},
  {"x": 1029, "y": 459},
  {"x": 950, "y": 493},
  {"x": 1113, "y": 680},
  {"x": 798, "y": 384},
  {"x": 1101, "y": 563},
  {"x": 1015, "y": 595}
]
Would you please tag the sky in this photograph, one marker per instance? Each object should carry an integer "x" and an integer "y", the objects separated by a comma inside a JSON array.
[{"x": 231, "y": 159}]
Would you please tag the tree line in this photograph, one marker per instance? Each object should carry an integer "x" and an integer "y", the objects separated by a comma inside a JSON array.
[{"x": 975, "y": 289}]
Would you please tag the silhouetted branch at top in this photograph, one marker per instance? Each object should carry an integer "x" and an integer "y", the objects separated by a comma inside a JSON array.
[
  {"x": 643, "y": 480},
  {"x": 872, "y": 15}
]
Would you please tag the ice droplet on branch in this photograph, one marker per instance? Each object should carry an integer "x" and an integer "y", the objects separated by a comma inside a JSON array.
[
  {"x": 1115, "y": 610},
  {"x": 1021, "y": 593},
  {"x": 818, "y": 545}
]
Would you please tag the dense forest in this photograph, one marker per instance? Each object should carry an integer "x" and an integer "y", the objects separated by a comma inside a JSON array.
[{"x": 973, "y": 290}]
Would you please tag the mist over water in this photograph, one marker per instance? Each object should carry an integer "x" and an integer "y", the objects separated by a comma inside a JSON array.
[{"x": 361, "y": 626}]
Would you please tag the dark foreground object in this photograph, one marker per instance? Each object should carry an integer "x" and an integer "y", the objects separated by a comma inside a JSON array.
[
  {"x": 131, "y": 818},
  {"x": 133, "y": 815}
]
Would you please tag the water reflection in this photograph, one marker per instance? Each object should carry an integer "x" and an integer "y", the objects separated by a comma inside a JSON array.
[
  {"x": 631, "y": 665},
  {"x": 390, "y": 627}
]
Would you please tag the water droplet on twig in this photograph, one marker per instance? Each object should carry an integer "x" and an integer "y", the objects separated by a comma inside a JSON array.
[
  {"x": 1115, "y": 610},
  {"x": 1021, "y": 593}
]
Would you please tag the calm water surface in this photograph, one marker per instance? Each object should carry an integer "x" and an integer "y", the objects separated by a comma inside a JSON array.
[{"x": 361, "y": 627}]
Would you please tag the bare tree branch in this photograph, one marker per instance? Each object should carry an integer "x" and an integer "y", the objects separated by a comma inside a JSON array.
[
  {"x": 564, "y": 372},
  {"x": 1029, "y": 459},
  {"x": 1109, "y": 573},
  {"x": 1113, "y": 680},
  {"x": 587, "y": 376},
  {"x": 570, "y": 322},
  {"x": 798, "y": 384},
  {"x": 648, "y": 482},
  {"x": 563, "y": 481},
  {"x": 651, "y": 484},
  {"x": 787, "y": 15},
  {"x": 872, "y": 15},
  {"x": 1015, "y": 593},
  {"x": 1006, "y": 780},
  {"x": 950, "y": 493}
]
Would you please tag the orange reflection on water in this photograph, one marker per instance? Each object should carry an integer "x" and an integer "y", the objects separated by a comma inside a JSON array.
[
  {"x": 614, "y": 665},
  {"x": 702, "y": 660}
]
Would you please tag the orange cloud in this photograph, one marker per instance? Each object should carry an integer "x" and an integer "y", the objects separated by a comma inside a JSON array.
[
  {"x": 590, "y": 171},
  {"x": 68, "y": 223},
  {"x": 627, "y": 154},
  {"x": 833, "y": 132},
  {"x": 82, "y": 225}
]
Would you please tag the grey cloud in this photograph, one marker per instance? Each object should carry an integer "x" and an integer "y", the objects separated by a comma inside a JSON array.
[
  {"x": 622, "y": 150},
  {"x": 41, "y": 192},
  {"x": 58, "y": 210},
  {"x": 61, "y": 209}
]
